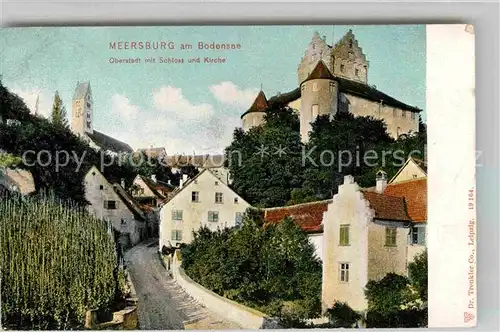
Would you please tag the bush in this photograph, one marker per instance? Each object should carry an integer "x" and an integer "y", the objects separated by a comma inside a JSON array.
[
  {"x": 418, "y": 273},
  {"x": 394, "y": 302},
  {"x": 273, "y": 268},
  {"x": 342, "y": 315},
  {"x": 397, "y": 319},
  {"x": 57, "y": 262}
]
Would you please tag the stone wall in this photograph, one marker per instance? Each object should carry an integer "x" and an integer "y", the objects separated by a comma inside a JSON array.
[
  {"x": 398, "y": 121},
  {"x": 245, "y": 317},
  {"x": 384, "y": 259},
  {"x": 252, "y": 119},
  {"x": 323, "y": 95}
]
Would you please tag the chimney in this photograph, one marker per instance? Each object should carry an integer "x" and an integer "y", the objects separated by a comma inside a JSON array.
[
  {"x": 381, "y": 181},
  {"x": 122, "y": 182},
  {"x": 183, "y": 180},
  {"x": 153, "y": 177}
]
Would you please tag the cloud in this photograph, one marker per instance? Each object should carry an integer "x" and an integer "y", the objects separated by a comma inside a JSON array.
[
  {"x": 171, "y": 100},
  {"x": 44, "y": 103},
  {"x": 121, "y": 105},
  {"x": 172, "y": 121},
  {"x": 230, "y": 94}
]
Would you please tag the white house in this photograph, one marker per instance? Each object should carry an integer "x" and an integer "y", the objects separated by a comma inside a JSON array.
[
  {"x": 364, "y": 233},
  {"x": 204, "y": 200},
  {"x": 365, "y": 237},
  {"x": 112, "y": 203},
  {"x": 411, "y": 183}
]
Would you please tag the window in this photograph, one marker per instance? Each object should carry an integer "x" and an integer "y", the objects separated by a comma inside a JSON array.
[
  {"x": 238, "y": 219},
  {"x": 413, "y": 115},
  {"x": 176, "y": 235},
  {"x": 88, "y": 105},
  {"x": 110, "y": 205},
  {"x": 390, "y": 236},
  {"x": 213, "y": 216},
  {"x": 101, "y": 187},
  {"x": 236, "y": 200},
  {"x": 315, "y": 86},
  {"x": 418, "y": 235},
  {"x": 342, "y": 68},
  {"x": 195, "y": 196},
  {"x": 356, "y": 72},
  {"x": 414, "y": 176},
  {"x": 216, "y": 183},
  {"x": 176, "y": 214},
  {"x": 123, "y": 222},
  {"x": 314, "y": 111},
  {"x": 344, "y": 235},
  {"x": 332, "y": 86},
  {"x": 344, "y": 272},
  {"x": 350, "y": 43},
  {"x": 218, "y": 198}
]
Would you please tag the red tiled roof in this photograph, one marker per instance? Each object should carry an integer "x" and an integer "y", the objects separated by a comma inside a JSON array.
[
  {"x": 320, "y": 71},
  {"x": 307, "y": 216},
  {"x": 415, "y": 195},
  {"x": 387, "y": 207},
  {"x": 259, "y": 105}
]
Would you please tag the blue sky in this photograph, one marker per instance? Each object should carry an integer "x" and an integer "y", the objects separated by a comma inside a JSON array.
[{"x": 191, "y": 107}]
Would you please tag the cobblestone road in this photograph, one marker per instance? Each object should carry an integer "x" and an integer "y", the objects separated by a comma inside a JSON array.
[{"x": 163, "y": 305}]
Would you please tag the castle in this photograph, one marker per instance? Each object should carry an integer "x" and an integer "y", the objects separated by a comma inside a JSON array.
[
  {"x": 335, "y": 79},
  {"x": 82, "y": 117}
]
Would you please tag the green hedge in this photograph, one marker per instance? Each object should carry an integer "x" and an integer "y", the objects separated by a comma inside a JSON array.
[{"x": 56, "y": 261}]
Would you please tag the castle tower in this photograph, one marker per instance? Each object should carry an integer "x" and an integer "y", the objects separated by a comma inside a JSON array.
[
  {"x": 317, "y": 50},
  {"x": 319, "y": 93},
  {"x": 82, "y": 116},
  {"x": 349, "y": 61},
  {"x": 254, "y": 116}
]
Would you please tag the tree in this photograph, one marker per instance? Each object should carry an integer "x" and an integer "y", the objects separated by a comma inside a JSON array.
[
  {"x": 272, "y": 268},
  {"x": 265, "y": 162},
  {"x": 58, "y": 115},
  {"x": 418, "y": 273}
]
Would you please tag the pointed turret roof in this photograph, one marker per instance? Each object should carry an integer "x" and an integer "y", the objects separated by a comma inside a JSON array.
[
  {"x": 321, "y": 71},
  {"x": 259, "y": 105}
]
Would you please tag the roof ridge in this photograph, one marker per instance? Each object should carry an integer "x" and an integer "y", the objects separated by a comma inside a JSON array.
[
  {"x": 300, "y": 204},
  {"x": 407, "y": 181}
]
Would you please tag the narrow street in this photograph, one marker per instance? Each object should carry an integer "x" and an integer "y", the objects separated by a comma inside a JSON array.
[{"x": 163, "y": 305}]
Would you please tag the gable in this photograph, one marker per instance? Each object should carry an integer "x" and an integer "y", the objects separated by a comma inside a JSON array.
[
  {"x": 348, "y": 48},
  {"x": 207, "y": 184},
  {"x": 411, "y": 170}
]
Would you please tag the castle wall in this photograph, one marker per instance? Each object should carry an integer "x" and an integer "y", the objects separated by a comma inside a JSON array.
[
  {"x": 252, "y": 119},
  {"x": 319, "y": 97},
  {"x": 398, "y": 121}
]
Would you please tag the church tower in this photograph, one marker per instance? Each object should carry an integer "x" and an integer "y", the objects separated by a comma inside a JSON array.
[
  {"x": 319, "y": 93},
  {"x": 349, "y": 61},
  {"x": 82, "y": 110}
]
